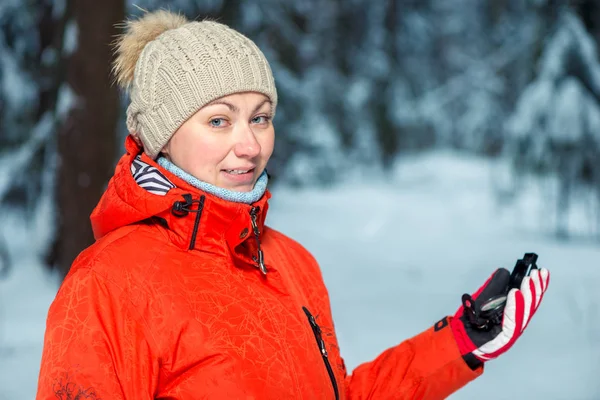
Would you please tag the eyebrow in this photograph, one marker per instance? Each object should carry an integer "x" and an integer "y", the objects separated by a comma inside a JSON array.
[
  {"x": 262, "y": 104},
  {"x": 234, "y": 108},
  {"x": 229, "y": 105}
]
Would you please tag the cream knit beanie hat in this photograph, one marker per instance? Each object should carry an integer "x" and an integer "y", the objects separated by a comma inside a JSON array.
[{"x": 173, "y": 67}]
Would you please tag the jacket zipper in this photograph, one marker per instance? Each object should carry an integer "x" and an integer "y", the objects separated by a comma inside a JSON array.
[
  {"x": 317, "y": 332},
  {"x": 259, "y": 259}
]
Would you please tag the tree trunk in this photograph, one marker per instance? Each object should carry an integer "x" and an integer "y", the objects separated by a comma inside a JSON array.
[{"x": 87, "y": 138}]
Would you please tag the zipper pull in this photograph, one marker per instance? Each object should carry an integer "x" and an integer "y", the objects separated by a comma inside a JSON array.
[
  {"x": 323, "y": 349},
  {"x": 259, "y": 259},
  {"x": 317, "y": 330},
  {"x": 253, "y": 215}
]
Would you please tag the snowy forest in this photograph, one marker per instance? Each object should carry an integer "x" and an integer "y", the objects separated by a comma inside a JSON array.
[{"x": 363, "y": 85}]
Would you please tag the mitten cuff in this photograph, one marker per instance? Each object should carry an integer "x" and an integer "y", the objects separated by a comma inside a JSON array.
[{"x": 472, "y": 361}]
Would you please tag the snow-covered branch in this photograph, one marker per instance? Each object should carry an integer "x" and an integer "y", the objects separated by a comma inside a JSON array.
[{"x": 14, "y": 162}]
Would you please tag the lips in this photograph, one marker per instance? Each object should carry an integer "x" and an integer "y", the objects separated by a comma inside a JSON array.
[
  {"x": 238, "y": 171},
  {"x": 239, "y": 176}
]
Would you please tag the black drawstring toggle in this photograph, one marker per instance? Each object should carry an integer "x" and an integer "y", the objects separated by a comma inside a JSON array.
[{"x": 183, "y": 208}]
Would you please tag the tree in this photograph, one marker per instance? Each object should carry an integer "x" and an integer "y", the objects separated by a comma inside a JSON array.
[
  {"x": 554, "y": 130},
  {"x": 31, "y": 37},
  {"x": 86, "y": 140}
]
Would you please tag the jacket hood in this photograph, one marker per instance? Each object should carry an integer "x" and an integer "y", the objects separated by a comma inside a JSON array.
[{"x": 192, "y": 217}]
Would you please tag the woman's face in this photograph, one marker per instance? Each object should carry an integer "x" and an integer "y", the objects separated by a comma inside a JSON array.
[{"x": 227, "y": 143}]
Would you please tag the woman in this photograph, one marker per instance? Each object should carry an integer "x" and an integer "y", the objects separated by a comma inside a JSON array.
[{"x": 186, "y": 294}]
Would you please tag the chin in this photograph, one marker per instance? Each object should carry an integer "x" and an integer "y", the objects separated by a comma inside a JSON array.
[
  {"x": 244, "y": 188},
  {"x": 238, "y": 188}
]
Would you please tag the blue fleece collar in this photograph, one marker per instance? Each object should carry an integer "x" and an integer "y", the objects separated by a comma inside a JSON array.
[{"x": 238, "y": 197}]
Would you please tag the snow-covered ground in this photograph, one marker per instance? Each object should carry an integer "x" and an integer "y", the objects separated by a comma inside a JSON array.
[{"x": 396, "y": 253}]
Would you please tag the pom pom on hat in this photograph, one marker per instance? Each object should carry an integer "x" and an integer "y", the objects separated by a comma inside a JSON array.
[{"x": 140, "y": 32}]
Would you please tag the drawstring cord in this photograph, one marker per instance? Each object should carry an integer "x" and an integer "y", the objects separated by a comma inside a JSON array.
[{"x": 183, "y": 208}]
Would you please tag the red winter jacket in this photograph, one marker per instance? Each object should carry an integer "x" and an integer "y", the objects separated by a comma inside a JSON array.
[{"x": 168, "y": 303}]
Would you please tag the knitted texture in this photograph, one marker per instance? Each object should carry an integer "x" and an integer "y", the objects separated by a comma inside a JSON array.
[
  {"x": 185, "y": 68},
  {"x": 230, "y": 195}
]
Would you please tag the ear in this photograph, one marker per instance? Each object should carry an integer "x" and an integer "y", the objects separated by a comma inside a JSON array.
[
  {"x": 165, "y": 151},
  {"x": 136, "y": 139}
]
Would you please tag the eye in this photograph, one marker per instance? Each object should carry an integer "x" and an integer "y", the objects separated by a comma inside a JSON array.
[
  {"x": 260, "y": 119},
  {"x": 217, "y": 122}
]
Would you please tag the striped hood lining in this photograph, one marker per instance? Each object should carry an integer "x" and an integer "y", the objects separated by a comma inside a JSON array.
[{"x": 150, "y": 178}]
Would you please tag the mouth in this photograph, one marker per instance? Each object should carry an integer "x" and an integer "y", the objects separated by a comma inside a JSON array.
[
  {"x": 239, "y": 171},
  {"x": 239, "y": 176}
]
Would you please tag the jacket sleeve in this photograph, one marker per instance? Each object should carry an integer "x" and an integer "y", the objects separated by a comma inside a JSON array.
[
  {"x": 94, "y": 345},
  {"x": 425, "y": 367}
]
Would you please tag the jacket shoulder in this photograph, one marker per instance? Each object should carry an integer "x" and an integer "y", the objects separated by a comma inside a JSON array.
[
  {"x": 126, "y": 251},
  {"x": 287, "y": 244},
  {"x": 287, "y": 251}
]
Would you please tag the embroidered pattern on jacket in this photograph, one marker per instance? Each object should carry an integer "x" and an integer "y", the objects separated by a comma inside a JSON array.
[{"x": 65, "y": 390}]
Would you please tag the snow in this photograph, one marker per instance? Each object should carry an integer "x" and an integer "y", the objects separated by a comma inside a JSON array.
[
  {"x": 71, "y": 37},
  {"x": 556, "y": 103},
  {"x": 24, "y": 300},
  {"x": 67, "y": 99},
  {"x": 555, "y": 125},
  {"x": 571, "y": 38},
  {"x": 14, "y": 162},
  {"x": 397, "y": 252},
  {"x": 17, "y": 88}
]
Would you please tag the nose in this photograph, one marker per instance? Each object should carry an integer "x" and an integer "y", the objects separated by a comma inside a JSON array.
[{"x": 247, "y": 146}]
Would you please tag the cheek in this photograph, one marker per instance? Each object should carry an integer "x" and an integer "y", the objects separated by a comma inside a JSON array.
[
  {"x": 194, "y": 152},
  {"x": 267, "y": 143},
  {"x": 204, "y": 155}
]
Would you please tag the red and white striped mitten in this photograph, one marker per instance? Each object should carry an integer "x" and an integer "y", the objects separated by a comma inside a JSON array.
[{"x": 482, "y": 342}]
